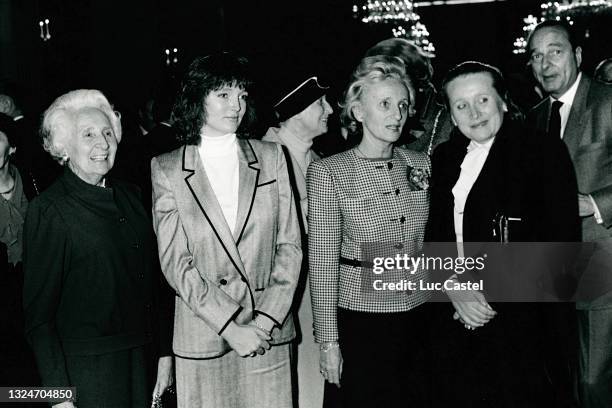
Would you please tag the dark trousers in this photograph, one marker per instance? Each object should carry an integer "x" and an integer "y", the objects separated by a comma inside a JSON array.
[
  {"x": 385, "y": 358},
  {"x": 511, "y": 362},
  {"x": 595, "y": 358}
]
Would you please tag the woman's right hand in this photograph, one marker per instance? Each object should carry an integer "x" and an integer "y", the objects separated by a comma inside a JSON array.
[
  {"x": 330, "y": 364},
  {"x": 472, "y": 307},
  {"x": 246, "y": 340}
]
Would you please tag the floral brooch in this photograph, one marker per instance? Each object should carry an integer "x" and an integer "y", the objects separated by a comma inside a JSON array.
[{"x": 418, "y": 179}]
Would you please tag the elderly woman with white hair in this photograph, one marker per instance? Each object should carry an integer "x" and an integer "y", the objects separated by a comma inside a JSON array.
[{"x": 90, "y": 293}]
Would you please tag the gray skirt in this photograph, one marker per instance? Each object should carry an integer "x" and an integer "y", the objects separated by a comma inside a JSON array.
[{"x": 231, "y": 381}]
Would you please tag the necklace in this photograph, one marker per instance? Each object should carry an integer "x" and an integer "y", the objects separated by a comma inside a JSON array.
[{"x": 433, "y": 133}]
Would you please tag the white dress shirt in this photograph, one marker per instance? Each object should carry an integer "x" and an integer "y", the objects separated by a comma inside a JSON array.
[
  {"x": 568, "y": 99},
  {"x": 471, "y": 166}
]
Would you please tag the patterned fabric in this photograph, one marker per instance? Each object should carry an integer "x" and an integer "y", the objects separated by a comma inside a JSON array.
[
  {"x": 351, "y": 202},
  {"x": 231, "y": 381}
]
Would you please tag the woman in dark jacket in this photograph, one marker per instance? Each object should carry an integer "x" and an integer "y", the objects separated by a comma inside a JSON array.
[
  {"x": 90, "y": 285},
  {"x": 491, "y": 168}
]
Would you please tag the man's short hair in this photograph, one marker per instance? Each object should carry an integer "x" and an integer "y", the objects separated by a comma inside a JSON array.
[{"x": 561, "y": 25}]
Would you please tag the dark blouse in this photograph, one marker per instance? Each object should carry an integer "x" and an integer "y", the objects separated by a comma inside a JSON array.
[{"x": 90, "y": 274}]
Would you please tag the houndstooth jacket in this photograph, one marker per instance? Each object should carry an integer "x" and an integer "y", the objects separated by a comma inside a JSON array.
[{"x": 353, "y": 201}]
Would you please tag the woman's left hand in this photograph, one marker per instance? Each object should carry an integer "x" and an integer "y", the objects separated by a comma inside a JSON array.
[{"x": 165, "y": 376}]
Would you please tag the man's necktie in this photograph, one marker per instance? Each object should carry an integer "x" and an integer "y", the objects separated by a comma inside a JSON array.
[{"x": 554, "y": 123}]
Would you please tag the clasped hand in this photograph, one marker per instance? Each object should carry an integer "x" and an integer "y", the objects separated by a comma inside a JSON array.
[
  {"x": 471, "y": 308},
  {"x": 247, "y": 339}
]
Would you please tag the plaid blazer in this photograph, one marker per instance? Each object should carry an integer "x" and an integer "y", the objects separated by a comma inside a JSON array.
[
  {"x": 220, "y": 274},
  {"x": 354, "y": 201}
]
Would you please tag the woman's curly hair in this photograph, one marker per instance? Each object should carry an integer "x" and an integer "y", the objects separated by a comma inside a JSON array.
[
  {"x": 205, "y": 75},
  {"x": 58, "y": 123}
]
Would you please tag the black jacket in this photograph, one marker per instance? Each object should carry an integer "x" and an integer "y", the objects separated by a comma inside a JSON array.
[
  {"x": 91, "y": 275},
  {"x": 525, "y": 175}
]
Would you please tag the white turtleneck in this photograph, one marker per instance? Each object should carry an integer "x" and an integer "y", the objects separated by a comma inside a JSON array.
[{"x": 219, "y": 157}]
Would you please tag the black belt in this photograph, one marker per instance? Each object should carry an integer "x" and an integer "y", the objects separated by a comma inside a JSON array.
[{"x": 356, "y": 263}]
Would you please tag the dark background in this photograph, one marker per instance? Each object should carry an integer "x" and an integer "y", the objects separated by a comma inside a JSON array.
[{"x": 118, "y": 45}]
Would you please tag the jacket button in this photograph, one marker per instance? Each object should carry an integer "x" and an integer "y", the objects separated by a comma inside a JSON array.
[
  {"x": 136, "y": 245},
  {"x": 223, "y": 282},
  {"x": 397, "y": 191},
  {"x": 403, "y": 219},
  {"x": 399, "y": 246},
  {"x": 390, "y": 165},
  {"x": 122, "y": 219}
]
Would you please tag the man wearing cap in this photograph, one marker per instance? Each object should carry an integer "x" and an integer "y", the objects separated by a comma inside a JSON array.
[{"x": 302, "y": 114}]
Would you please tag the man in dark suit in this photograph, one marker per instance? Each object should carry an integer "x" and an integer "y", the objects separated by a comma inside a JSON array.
[{"x": 582, "y": 117}]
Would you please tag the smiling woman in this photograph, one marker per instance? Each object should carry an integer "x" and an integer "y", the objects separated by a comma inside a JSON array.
[
  {"x": 490, "y": 353},
  {"x": 90, "y": 291}
]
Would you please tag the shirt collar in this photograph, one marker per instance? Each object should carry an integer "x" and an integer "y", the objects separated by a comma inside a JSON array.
[
  {"x": 475, "y": 145},
  {"x": 568, "y": 97}
]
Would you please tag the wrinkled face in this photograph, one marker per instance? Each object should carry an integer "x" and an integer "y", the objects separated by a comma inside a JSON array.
[
  {"x": 5, "y": 150},
  {"x": 93, "y": 145},
  {"x": 224, "y": 109},
  {"x": 314, "y": 117},
  {"x": 476, "y": 107},
  {"x": 553, "y": 61},
  {"x": 383, "y": 109}
]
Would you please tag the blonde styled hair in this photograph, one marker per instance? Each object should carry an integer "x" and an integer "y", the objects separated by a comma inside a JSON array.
[
  {"x": 371, "y": 70},
  {"x": 58, "y": 125}
]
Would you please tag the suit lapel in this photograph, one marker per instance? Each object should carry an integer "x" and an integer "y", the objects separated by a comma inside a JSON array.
[
  {"x": 249, "y": 176},
  {"x": 205, "y": 199},
  {"x": 573, "y": 130}
]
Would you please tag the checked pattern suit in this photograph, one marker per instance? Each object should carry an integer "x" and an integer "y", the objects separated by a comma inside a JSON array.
[{"x": 352, "y": 201}]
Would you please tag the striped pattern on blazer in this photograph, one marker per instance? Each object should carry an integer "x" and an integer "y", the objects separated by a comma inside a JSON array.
[
  {"x": 354, "y": 201},
  {"x": 223, "y": 275}
]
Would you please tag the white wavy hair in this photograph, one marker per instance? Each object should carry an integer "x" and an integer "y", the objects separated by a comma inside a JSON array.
[{"x": 58, "y": 125}]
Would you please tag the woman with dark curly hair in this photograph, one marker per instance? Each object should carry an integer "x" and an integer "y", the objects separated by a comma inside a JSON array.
[{"x": 229, "y": 244}]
